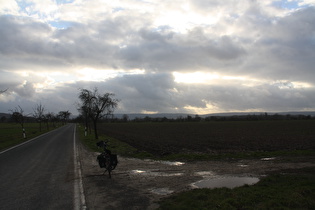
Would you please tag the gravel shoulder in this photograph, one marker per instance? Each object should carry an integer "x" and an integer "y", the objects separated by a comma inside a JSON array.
[{"x": 140, "y": 184}]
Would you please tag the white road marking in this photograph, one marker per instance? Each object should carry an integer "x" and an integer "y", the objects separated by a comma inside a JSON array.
[{"x": 79, "y": 198}]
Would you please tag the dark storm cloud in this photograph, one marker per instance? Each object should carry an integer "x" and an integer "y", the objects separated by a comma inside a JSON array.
[
  {"x": 166, "y": 51},
  {"x": 26, "y": 44},
  {"x": 287, "y": 50},
  {"x": 159, "y": 92},
  {"x": 109, "y": 43},
  {"x": 150, "y": 92}
]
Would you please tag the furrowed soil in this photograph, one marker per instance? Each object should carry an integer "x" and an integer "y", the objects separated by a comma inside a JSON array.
[
  {"x": 140, "y": 184},
  {"x": 214, "y": 137}
]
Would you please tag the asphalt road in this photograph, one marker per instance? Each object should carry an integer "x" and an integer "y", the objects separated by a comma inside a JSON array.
[{"x": 40, "y": 174}]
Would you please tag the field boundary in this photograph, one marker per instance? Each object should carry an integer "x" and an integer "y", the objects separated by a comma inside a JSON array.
[{"x": 28, "y": 141}]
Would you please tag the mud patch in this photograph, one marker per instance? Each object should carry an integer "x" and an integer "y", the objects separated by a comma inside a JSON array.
[{"x": 140, "y": 184}]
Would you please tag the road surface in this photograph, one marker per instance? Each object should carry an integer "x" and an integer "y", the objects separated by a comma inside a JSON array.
[{"x": 41, "y": 174}]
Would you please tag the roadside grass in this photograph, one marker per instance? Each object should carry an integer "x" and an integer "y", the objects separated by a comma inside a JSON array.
[
  {"x": 289, "y": 155},
  {"x": 290, "y": 189},
  {"x": 116, "y": 146},
  {"x": 11, "y": 133}
]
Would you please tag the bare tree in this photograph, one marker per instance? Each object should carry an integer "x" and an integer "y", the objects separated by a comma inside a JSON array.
[
  {"x": 64, "y": 115},
  {"x": 125, "y": 118},
  {"x": 48, "y": 118},
  {"x": 18, "y": 117},
  {"x": 39, "y": 114},
  {"x": 84, "y": 111},
  {"x": 97, "y": 105}
]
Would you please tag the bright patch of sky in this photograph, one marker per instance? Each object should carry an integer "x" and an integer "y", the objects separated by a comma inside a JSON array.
[
  {"x": 293, "y": 4},
  {"x": 60, "y": 24},
  {"x": 59, "y": 2}
]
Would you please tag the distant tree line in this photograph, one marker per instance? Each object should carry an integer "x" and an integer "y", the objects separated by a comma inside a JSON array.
[{"x": 39, "y": 115}]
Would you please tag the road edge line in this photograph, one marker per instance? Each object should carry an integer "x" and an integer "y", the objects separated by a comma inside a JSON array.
[{"x": 79, "y": 198}]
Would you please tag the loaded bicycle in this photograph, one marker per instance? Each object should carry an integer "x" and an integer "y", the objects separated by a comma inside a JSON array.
[{"x": 106, "y": 159}]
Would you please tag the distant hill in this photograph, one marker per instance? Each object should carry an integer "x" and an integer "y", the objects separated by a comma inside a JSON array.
[
  {"x": 5, "y": 115},
  {"x": 161, "y": 115},
  {"x": 184, "y": 115},
  {"x": 312, "y": 113}
]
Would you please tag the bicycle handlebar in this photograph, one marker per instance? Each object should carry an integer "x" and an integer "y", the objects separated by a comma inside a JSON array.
[{"x": 102, "y": 144}]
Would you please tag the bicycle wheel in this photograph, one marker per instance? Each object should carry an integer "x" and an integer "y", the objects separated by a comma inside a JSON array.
[{"x": 108, "y": 167}]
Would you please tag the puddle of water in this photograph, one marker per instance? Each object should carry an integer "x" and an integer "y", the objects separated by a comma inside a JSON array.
[
  {"x": 171, "y": 163},
  {"x": 242, "y": 165},
  {"x": 161, "y": 191},
  {"x": 154, "y": 173},
  {"x": 164, "y": 174},
  {"x": 137, "y": 171},
  {"x": 269, "y": 158},
  {"x": 229, "y": 182}
]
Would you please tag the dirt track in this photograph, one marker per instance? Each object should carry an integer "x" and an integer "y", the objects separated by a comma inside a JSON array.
[{"x": 140, "y": 184}]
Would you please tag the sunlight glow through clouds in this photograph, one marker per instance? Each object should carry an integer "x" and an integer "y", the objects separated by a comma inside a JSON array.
[
  {"x": 210, "y": 108},
  {"x": 41, "y": 80},
  {"x": 149, "y": 112},
  {"x": 202, "y": 77},
  {"x": 214, "y": 78},
  {"x": 196, "y": 77},
  {"x": 186, "y": 19}
]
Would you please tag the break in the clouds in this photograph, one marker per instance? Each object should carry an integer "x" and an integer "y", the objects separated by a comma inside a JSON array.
[{"x": 191, "y": 56}]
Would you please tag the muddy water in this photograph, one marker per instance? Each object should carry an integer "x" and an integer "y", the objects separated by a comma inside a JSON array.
[
  {"x": 210, "y": 178},
  {"x": 225, "y": 181},
  {"x": 155, "y": 172}
]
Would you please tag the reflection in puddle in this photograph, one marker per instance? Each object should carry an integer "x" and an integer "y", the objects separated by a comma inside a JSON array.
[
  {"x": 269, "y": 158},
  {"x": 161, "y": 191},
  {"x": 171, "y": 163},
  {"x": 229, "y": 182},
  {"x": 154, "y": 173},
  {"x": 242, "y": 165},
  {"x": 138, "y": 171}
]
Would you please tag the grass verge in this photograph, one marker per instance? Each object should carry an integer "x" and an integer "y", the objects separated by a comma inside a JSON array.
[
  {"x": 116, "y": 146},
  {"x": 290, "y": 155},
  {"x": 286, "y": 190},
  {"x": 11, "y": 133}
]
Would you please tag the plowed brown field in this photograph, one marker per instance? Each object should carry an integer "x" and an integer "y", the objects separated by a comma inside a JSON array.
[{"x": 207, "y": 137}]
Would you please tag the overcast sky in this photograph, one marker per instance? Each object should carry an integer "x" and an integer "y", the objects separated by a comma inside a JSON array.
[{"x": 159, "y": 56}]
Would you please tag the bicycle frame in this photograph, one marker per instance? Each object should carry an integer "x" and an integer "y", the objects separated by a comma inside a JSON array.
[{"x": 106, "y": 159}]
